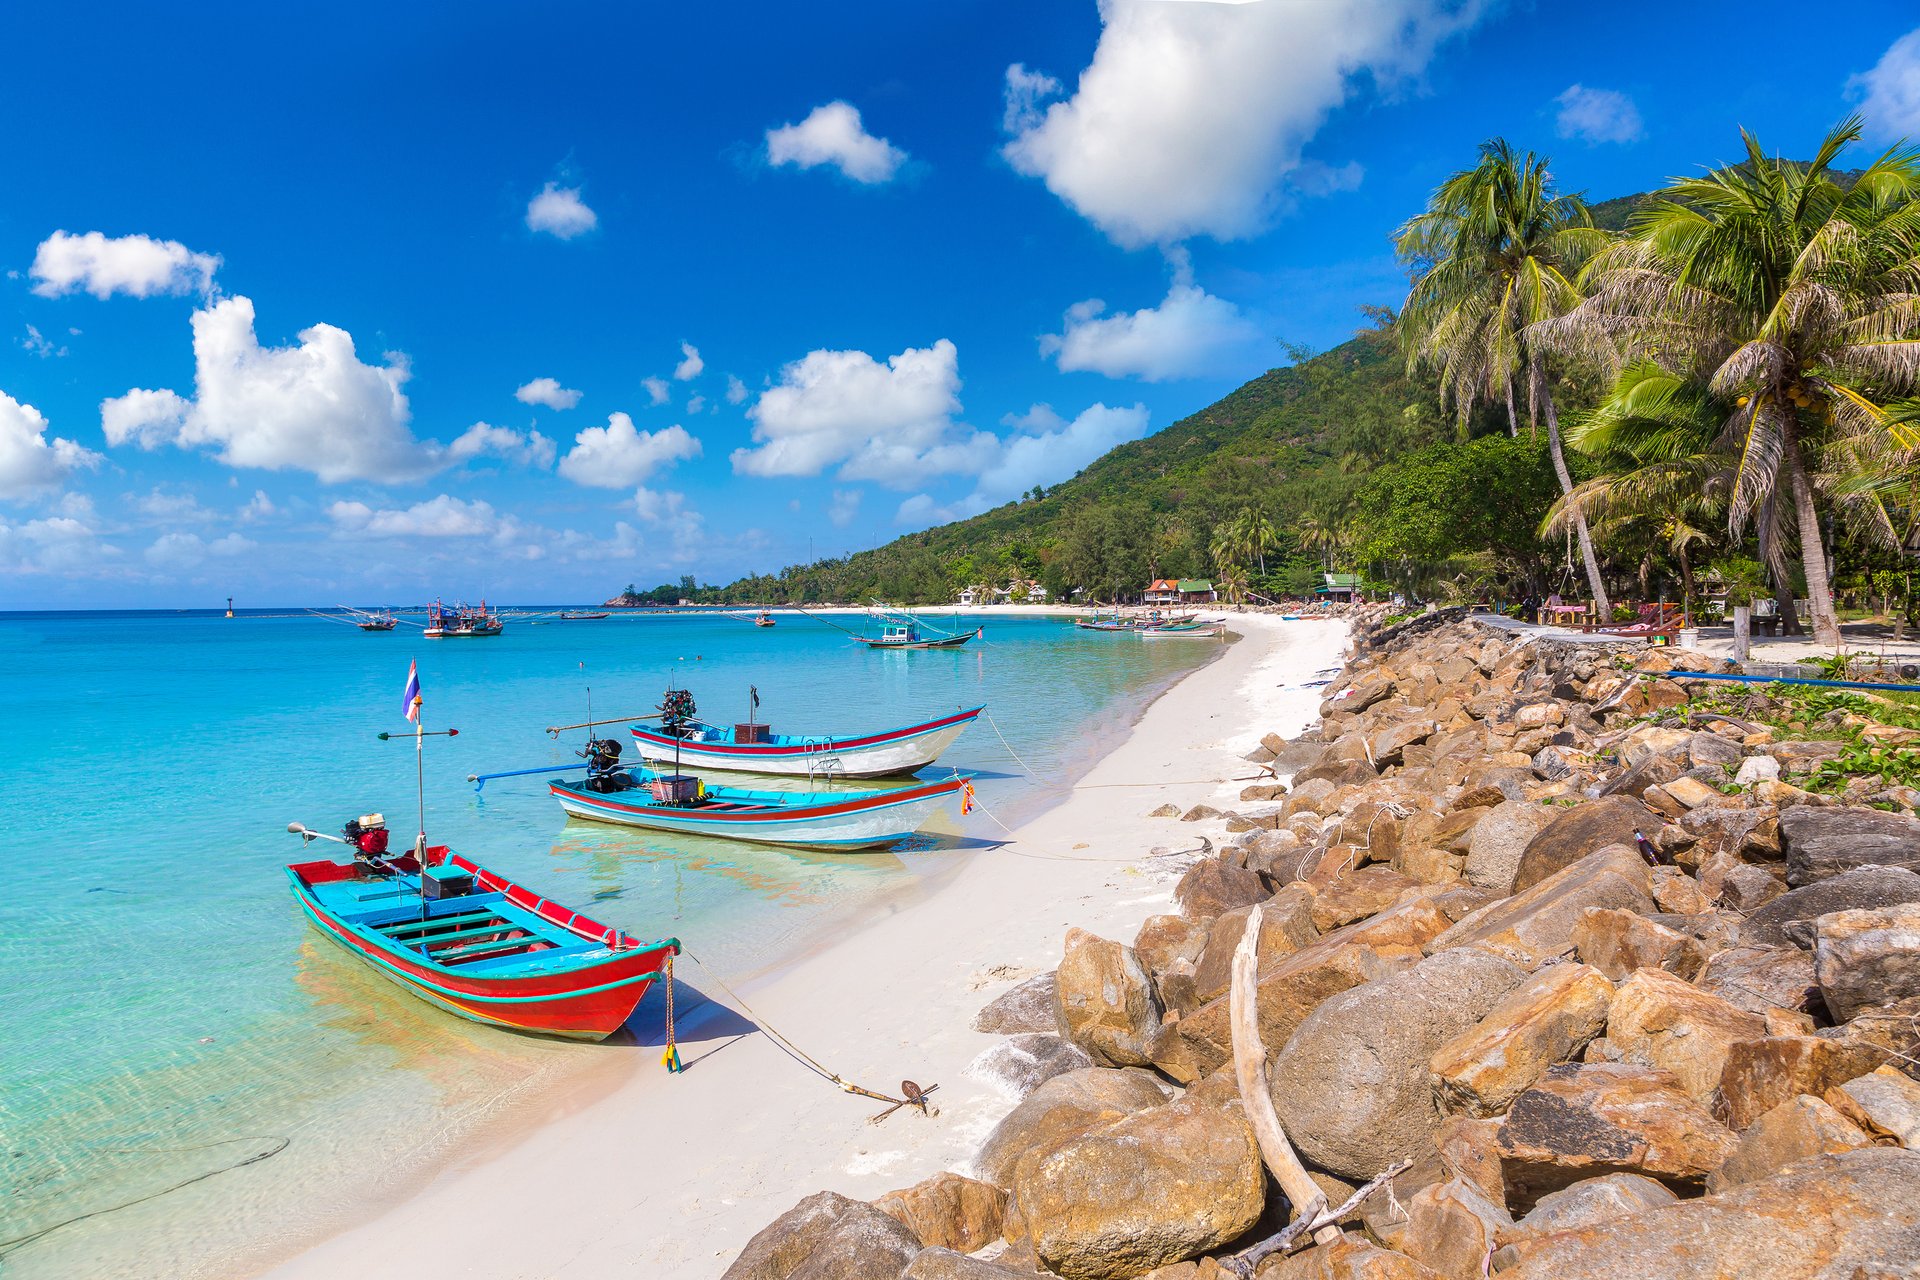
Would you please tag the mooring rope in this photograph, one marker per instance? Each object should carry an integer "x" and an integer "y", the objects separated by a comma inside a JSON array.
[
  {"x": 20, "y": 1242},
  {"x": 916, "y": 1096}
]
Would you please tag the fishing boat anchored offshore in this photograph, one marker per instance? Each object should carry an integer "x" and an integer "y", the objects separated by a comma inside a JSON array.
[
  {"x": 461, "y": 621},
  {"x": 752, "y": 747},
  {"x": 904, "y": 631}
]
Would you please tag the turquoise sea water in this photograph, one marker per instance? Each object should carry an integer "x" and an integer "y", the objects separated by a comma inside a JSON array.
[{"x": 165, "y": 1013}]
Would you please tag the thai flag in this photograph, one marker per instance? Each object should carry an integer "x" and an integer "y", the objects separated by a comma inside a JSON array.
[{"x": 412, "y": 695}]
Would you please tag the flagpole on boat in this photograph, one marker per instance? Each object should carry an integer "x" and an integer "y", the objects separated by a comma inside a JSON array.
[{"x": 420, "y": 791}]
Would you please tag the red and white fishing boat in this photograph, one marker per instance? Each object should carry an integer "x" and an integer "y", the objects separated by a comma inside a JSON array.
[{"x": 751, "y": 748}]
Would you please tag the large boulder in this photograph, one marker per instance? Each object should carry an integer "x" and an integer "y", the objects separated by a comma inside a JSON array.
[
  {"x": 827, "y": 1237},
  {"x": 1760, "y": 1075},
  {"x": 1799, "y": 1127},
  {"x": 1758, "y": 979},
  {"x": 1587, "y": 1119},
  {"x": 1618, "y": 943},
  {"x": 1589, "y": 1203},
  {"x": 1499, "y": 840},
  {"x": 1883, "y": 1102},
  {"x": 945, "y": 1264},
  {"x": 1858, "y": 889},
  {"x": 1347, "y": 1258},
  {"x": 1211, "y": 886},
  {"x": 1355, "y": 895},
  {"x": 1061, "y": 1110},
  {"x": 1155, "y": 1188},
  {"x": 948, "y": 1211},
  {"x": 1352, "y": 1083},
  {"x": 1106, "y": 1003},
  {"x": 1856, "y": 1214},
  {"x": 1022, "y": 1063},
  {"x": 1451, "y": 1228},
  {"x": 1577, "y": 832},
  {"x": 1536, "y": 925},
  {"x": 1867, "y": 959},
  {"x": 1286, "y": 925},
  {"x": 1544, "y": 1021},
  {"x": 1657, "y": 1020},
  {"x": 1291, "y": 987},
  {"x": 1028, "y": 1006},
  {"x": 1821, "y": 843}
]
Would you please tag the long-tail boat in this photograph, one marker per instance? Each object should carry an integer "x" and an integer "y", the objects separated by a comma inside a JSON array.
[
  {"x": 750, "y": 748},
  {"x": 473, "y": 942},
  {"x": 903, "y": 631},
  {"x": 815, "y": 819}
]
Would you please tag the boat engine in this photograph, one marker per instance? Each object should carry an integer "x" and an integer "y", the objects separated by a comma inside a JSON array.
[
  {"x": 604, "y": 771},
  {"x": 368, "y": 836}
]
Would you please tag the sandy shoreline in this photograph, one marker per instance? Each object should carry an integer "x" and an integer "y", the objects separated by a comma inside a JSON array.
[{"x": 670, "y": 1175}]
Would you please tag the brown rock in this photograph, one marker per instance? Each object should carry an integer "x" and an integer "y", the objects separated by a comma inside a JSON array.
[
  {"x": 1451, "y": 1228},
  {"x": 1355, "y": 895},
  {"x": 1210, "y": 886},
  {"x": 1348, "y": 1259},
  {"x": 1676, "y": 891},
  {"x": 1867, "y": 959},
  {"x": 1499, "y": 840},
  {"x": 1154, "y": 1188},
  {"x": 1747, "y": 888},
  {"x": 1836, "y": 1217},
  {"x": 945, "y": 1264},
  {"x": 1764, "y": 1073},
  {"x": 1577, "y": 832},
  {"x": 1544, "y": 1021},
  {"x": 1644, "y": 777},
  {"x": 1106, "y": 1003},
  {"x": 1060, "y": 1110},
  {"x": 1019, "y": 1064},
  {"x": 1883, "y": 1102},
  {"x": 1619, "y": 942},
  {"x": 1293, "y": 986},
  {"x": 948, "y": 1211},
  {"x": 1797, "y": 1128},
  {"x": 1658, "y": 1020},
  {"x": 1286, "y": 925},
  {"x": 827, "y": 1237},
  {"x": 1164, "y": 939},
  {"x": 1758, "y": 979},
  {"x": 1863, "y": 887},
  {"x": 1536, "y": 925},
  {"x": 1591, "y": 1203},
  {"x": 1028, "y": 1006},
  {"x": 1377, "y": 1040},
  {"x": 1588, "y": 1119}
]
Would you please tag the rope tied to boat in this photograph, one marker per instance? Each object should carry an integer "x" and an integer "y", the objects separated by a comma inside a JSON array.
[
  {"x": 671, "y": 1058},
  {"x": 913, "y": 1095}
]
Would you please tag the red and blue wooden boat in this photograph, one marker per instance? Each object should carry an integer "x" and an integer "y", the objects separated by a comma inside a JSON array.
[
  {"x": 479, "y": 945},
  {"x": 890, "y": 753}
]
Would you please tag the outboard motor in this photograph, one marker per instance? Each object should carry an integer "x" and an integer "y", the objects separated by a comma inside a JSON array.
[
  {"x": 603, "y": 765},
  {"x": 368, "y": 836}
]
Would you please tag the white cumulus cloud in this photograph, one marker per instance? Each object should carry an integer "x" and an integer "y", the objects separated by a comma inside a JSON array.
[
  {"x": 1044, "y": 449},
  {"x": 559, "y": 211},
  {"x": 57, "y": 544},
  {"x": 549, "y": 392},
  {"x": 1191, "y": 117},
  {"x": 618, "y": 455},
  {"x": 833, "y": 135},
  {"x": 736, "y": 390},
  {"x": 1889, "y": 94},
  {"x": 888, "y": 422},
  {"x": 657, "y": 390},
  {"x": 1597, "y": 115},
  {"x": 28, "y": 459},
  {"x": 310, "y": 407},
  {"x": 844, "y": 507},
  {"x": 690, "y": 363},
  {"x": 529, "y": 449},
  {"x": 441, "y": 517},
  {"x": 103, "y": 266},
  {"x": 1190, "y": 334}
]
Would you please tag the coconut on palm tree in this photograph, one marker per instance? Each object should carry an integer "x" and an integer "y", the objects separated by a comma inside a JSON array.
[
  {"x": 1791, "y": 296},
  {"x": 1495, "y": 253}
]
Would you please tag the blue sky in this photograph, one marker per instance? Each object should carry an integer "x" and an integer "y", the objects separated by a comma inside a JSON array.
[{"x": 374, "y": 304}]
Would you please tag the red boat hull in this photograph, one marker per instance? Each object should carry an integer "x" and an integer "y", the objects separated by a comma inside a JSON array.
[{"x": 586, "y": 1003}]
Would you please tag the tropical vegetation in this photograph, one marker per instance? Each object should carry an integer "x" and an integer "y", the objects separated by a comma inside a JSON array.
[{"x": 1709, "y": 388}]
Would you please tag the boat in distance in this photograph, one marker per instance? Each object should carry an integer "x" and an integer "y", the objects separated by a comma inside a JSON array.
[
  {"x": 461, "y": 621},
  {"x": 476, "y": 944},
  {"x": 907, "y": 635},
  {"x": 749, "y": 748},
  {"x": 818, "y": 820}
]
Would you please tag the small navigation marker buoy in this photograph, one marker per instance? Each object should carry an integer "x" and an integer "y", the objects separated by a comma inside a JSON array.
[{"x": 229, "y": 606}]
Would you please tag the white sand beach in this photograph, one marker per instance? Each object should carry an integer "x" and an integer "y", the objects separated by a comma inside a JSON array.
[{"x": 670, "y": 1175}]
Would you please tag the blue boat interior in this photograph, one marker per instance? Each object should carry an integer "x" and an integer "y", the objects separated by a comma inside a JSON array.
[{"x": 473, "y": 933}]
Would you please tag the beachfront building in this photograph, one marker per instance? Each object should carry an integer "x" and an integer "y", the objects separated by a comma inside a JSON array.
[
  {"x": 1165, "y": 591},
  {"x": 970, "y": 596},
  {"x": 1341, "y": 588}
]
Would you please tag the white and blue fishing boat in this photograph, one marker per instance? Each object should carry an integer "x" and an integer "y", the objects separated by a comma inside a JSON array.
[
  {"x": 813, "y": 819},
  {"x": 751, "y": 748}
]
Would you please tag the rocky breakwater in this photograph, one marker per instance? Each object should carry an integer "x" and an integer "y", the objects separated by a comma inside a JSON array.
[{"x": 1575, "y": 968}]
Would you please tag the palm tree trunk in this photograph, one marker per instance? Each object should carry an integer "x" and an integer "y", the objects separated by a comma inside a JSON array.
[
  {"x": 1686, "y": 579},
  {"x": 1602, "y": 608},
  {"x": 1813, "y": 554},
  {"x": 1513, "y": 422}
]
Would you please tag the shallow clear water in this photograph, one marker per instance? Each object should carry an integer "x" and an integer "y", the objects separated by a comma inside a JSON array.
[{"x": 166, "y": 1014}]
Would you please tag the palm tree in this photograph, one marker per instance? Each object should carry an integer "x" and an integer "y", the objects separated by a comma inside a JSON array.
[
  {"x": 1232, "y": 583},
  {"x": 1792, "y": 298},
  {"x": 1494, "y": 254},
  {"x": 1254, "y": 533}
]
